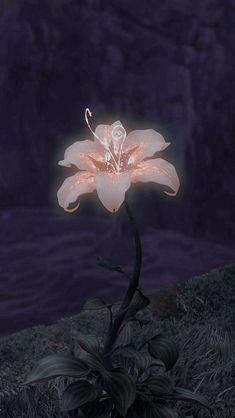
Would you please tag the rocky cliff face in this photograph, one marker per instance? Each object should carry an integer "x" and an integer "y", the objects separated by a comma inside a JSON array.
[{"x": 167, "y": 64}]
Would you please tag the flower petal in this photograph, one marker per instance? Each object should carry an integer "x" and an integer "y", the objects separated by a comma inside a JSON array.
[
  {"x": 159, "y": 171},
  {"x": 111, "y": 188},
  {"x": 79, "y": 152},
  {"x": 110, "y": 135},
  {"x": 148, "y": 142},
  {"x": 73, "y": 187}
]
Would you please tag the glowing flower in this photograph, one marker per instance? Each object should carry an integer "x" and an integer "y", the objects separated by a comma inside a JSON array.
[{"x": 111, "y": 162}]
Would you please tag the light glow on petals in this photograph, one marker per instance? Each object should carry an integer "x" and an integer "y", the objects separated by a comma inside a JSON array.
[
  {"x": 111, "y": 162},
  {"x": 73, "y": 187},
  {"x": 147, "y": 141},
  {"x": 159, "y": 171},
  {"x": 111, "y": 189}
]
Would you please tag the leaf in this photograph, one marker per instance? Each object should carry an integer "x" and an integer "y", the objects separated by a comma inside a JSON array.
[
  {"x": 155, "y": 334},
  {"x": 187, "y": 395},
  {"x": 78, "y": 394},
  {"x": 88, "y": 342},
  {"x": 132, "y": 414},
  {"x": 124, "y": 337},
  {"x": 142, "y": 360},
  {"x": 150, "y": 409},
  {"x": 93, "y": 362},
  {"x": 143, "y": 322},
  {"x": 56, "y": 365},
  {"x": 164, "y": 349},
  {"x": 127, "y": 363},
  {"x": 156, "y": 410},
  {"x": 95, "y": 304},
  {"x": 159, "y": 386},
  {"x": 139, "y": 302},
  {"x": 120, "y": 386},
  {"x": 100, "y": 409}
]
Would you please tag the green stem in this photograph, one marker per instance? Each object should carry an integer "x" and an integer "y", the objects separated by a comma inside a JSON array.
[{"x": 133, "y": 285}]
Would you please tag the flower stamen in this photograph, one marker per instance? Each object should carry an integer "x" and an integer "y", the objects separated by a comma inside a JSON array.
[
  {"x": 116, "y": 168},
  {"x": 118, "y": 133}
]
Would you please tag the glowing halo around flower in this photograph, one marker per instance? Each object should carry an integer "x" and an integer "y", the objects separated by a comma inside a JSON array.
[{"x": 111, "y": 162}]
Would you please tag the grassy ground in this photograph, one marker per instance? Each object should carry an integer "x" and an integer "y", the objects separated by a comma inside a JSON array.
[{"x": 205, "y": 333}]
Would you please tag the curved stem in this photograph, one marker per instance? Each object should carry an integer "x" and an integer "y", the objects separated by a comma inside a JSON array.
[{"x": 133, "y": 285}]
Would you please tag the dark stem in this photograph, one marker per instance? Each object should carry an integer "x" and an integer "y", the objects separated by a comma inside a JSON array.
[{"x": 133, "y": 285}]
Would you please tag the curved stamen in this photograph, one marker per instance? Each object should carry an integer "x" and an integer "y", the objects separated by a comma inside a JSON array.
[
  {"x": 116, "y": 168},
  {"x": 118, "y": 132},
  {"x": 89, "y": 126}
]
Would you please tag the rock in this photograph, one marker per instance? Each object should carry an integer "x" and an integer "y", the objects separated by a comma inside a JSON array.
[{"x": 168, "y": 67}]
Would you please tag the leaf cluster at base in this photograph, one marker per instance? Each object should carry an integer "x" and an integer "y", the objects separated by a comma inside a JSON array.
[{"x": 129, "y": 387}]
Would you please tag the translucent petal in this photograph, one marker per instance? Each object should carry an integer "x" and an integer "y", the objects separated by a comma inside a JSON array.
[
  {"x": 111, "y": 188},
  {"x": 73, "y": 187},
  {"x": 111, "y": 135},
  {"x": 79, "y": 153},
  {"x": 147, "y": 141},
  {"x": 159, "y": 171}
]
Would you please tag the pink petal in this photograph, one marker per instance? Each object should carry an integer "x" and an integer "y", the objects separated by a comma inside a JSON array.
[
  {"x": 79, "y": 152},
  {"x": 111, "y": 188},
  {"x": 104, "y": 133},
  {"x": 159, "y": 171},
  {"x": 148, "y": 142},
  {"x": 73, "y": 187}
]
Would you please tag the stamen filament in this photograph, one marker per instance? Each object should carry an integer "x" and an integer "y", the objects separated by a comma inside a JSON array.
[
  {"x": 117, "y": 166},
  {"x": 123, "y": 134}
]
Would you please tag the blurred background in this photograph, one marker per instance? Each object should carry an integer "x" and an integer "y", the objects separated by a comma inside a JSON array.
[{"x": 167, "y": 65}]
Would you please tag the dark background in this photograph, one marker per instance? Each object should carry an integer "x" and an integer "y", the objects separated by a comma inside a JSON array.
[{"x": 166, "y": 65}]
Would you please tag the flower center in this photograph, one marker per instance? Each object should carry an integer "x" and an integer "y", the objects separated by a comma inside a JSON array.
[{"x": 114, "y": 160}]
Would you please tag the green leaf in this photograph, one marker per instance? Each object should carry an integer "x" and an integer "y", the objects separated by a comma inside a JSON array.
[
  {"x": 132, "y": 414},
  {"x": 94, "y": 304},
  {"x": 159, "y": 386},
  {"x": 164, "y": 349},
  {"x": 120, "y": 386},
  {"x": 156, "y": 410},
  {"x": 150, "y": 409},
  {"x": 78, "y": 394},
  {"x": 100, "y": 409},
  {"x": 127, "y": 363},
  {"x": 186, "y": 395},
  {"x": 56, "y": 365},
  {"x": 147, "y": 340},
  {"x": 142, "y": 360},
  {"x": 124, "y": 337},
  {"x": 143, "y": 322},
  {"x": 88, "y": 342},
  {"x": 132, "y": 319},
  {"x": 139, "y": 302},
  {"x": 94, "y": 362}
]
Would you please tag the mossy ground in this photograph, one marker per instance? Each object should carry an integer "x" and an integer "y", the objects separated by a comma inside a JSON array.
[{"x": 204, "y": 331}]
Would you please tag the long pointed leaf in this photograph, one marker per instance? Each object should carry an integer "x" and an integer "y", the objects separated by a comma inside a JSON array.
[
  {"x": 142, "y": 360},
  {"x": 94, "y": 304},
  {"x": 56, "y": 365},
  {"x": 101, "y": 409},
  {"x": 78, "y": 394},
  {"x": 156, "y": 410},
  {"x": 120, "y": 386},
  {"x": 124, "y": 337},
  {"x": 93, "y": 362},
  {"x": 164, "y": 349},
  {"x": 88, "y": 342},
  {"x": 139, "y": 302},
  {"x": 159, "y": 385}
]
